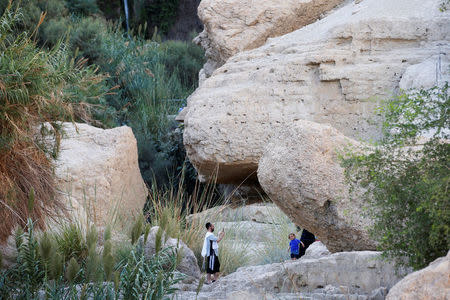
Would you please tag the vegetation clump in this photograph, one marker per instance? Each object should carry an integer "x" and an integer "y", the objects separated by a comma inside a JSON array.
[
  {"x": 114, "y": 271},
  {"x": 406, "y": 177},
  {"x": 36, "y": 86}
]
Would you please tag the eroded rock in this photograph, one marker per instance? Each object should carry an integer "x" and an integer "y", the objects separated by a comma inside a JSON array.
[
  {"x": 345, "y": 275},
  {"x": 300, "y": 170},
  {"x": 232, "y": 26},
  {"x": 97, "y": 174},
  {"x": 432, "y": 282},
  {"x": 332, "y": 71}
]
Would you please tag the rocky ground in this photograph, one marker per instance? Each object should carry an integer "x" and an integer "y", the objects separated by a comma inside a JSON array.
[{"x": 317, "y": 275}]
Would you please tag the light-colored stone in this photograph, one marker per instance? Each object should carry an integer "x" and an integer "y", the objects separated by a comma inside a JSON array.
[
  {"x": 188, "y": 265},
  {"x": 359, "y": 274},
  {"x": 432, "y": 282},
  {"x": 316, "y": 250},
  {"x": 301, "y": 172},
  {"x": 259, "y": 213},
  {"x": 97, "y": 174},
  {"x": 332, "y": 71},
  {"x": 434, "y": 71},
  {"x": 232, "y": 26}
]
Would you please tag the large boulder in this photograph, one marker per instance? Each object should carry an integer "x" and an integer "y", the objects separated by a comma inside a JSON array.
[
  {"x": 188, "y": 264},
  {"x": 332, "y": 71},
  {"x": 344, "y": 275},
  {"x": 301, "y": 172},
  {"x": 97, "y": 174},
  {"x": 433, "y": 282},
  {"x": 316, "y": 250},
  {"x": 232, "y": 26}
]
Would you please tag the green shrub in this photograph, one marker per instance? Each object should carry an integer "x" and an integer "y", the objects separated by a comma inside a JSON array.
[
  {"x": 86, "y": 37},
  {"x": 37, "y": 86},
  {"x": 83, "y": 7},
  {"x": 184, "y": 59},
  {"x": 407, "y": 178},
  {"x": 54, "y": 30},
  {"x": 157, "y": 13},
  {"x": 31, "y": 11}
]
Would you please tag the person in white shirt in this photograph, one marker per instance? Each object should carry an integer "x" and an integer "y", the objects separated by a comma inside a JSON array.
[{"x": 210, "y": 251}]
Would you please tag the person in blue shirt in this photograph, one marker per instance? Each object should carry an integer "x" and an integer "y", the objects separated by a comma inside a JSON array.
[{"x": 294, "y": 246}]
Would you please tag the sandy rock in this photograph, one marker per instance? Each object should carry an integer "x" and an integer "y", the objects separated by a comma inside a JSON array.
[
  {"x": 300, "y": 171},
  {"x": 188, "y": 265},
  {"x": 434, "y": 71},
  {"x": 432, "y": 282},
  {"x": 332, "y": 71},
  {"x": 316, "y": 250},
  {"x": 259, "y": 213},
  {"x": 98, "y": 174},
  {"x": 345, "y": 275},
  {"x": 232, "y": 26}
]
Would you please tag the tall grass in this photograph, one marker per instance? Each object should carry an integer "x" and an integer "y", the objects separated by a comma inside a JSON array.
[
  {"x": 70, "y": 264},
  {"x": 171, "y": 209},
  {"x": 36, "y": 86}
]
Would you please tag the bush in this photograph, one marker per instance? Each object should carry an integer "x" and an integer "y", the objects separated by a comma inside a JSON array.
[
  {"x": 157, "y": 13},
  {"x": 86, "y": 38},
  {"x": 83, "y": 7},
  {"x": 54, "y": 30},
  {"x": 184, "y": 59},
  {"x": 31, "y": 11},
  {"x": 36, "y": 86},
  {"x": 407, "y": 177}
]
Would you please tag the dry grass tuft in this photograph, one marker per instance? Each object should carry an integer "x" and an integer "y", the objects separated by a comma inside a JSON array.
[
  {"x": 26, "y": 188},
  {"x": 36, "y": 86}
]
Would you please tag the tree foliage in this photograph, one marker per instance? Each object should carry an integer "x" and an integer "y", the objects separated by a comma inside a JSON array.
[{"x": 406, "y": 177}]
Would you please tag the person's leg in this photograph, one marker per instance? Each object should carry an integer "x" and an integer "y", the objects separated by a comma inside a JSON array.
[
  {"x": 302, "y": 251},
  {"x": 216, "y": 268},
  {"x": 209, "y": 271}
]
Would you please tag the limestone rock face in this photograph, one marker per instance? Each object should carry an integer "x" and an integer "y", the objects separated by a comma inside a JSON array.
[
  {"x": 433, "y": 282},
  {"x": 300, "y": 171},
  {"x": 434, "y": 71},
  {"x": 98, "y": 175},
  {"x": 332, "y": 71},
  {"x": 188, "y": 264},
  {"x": 344, "y": 275},
  {"x": 231, "y": 26}
]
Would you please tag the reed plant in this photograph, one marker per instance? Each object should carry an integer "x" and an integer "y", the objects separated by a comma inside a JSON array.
[
  {"x": 43, "y": 267},
  {"x": 36, "y": 86}
]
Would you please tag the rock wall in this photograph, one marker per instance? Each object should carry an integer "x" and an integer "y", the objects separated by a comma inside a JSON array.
[
  {"x": 332, "y": 71},
  {"x": 232, "y": 26},
  {"x": 98, "y": 175}
]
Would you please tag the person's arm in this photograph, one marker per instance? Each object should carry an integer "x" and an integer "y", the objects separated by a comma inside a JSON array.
[{"x": 221, "y": 235}]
